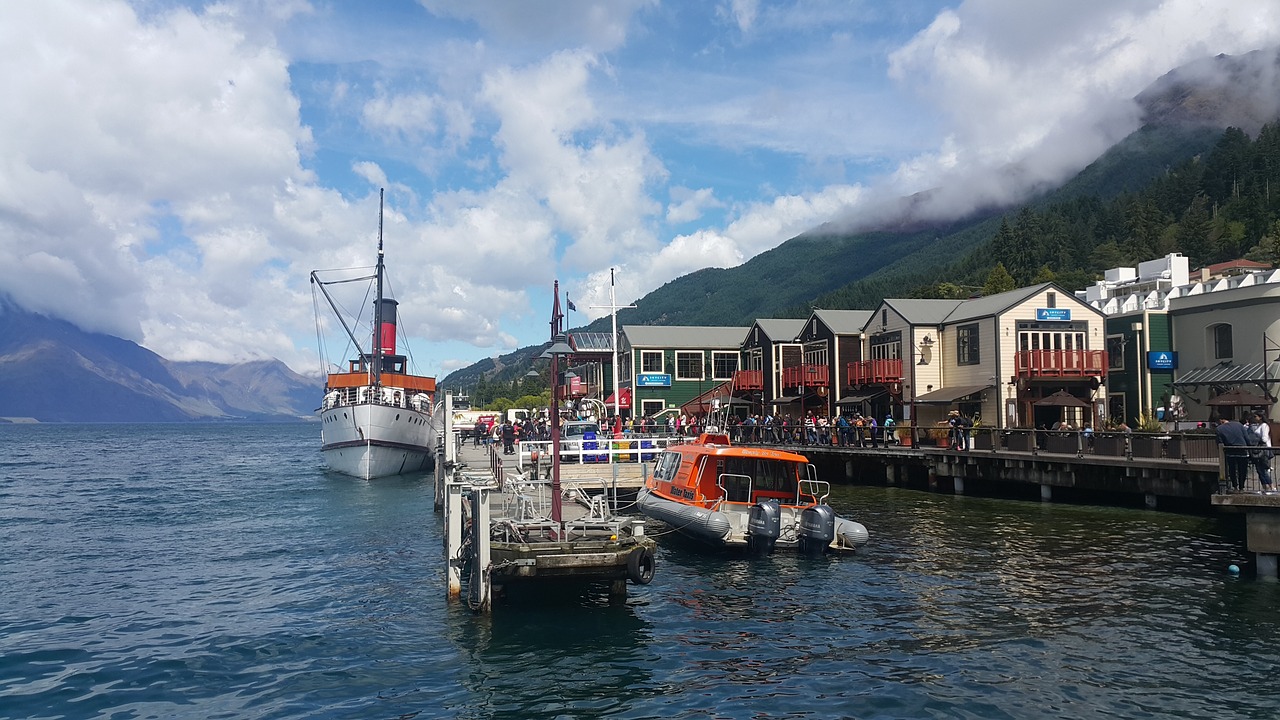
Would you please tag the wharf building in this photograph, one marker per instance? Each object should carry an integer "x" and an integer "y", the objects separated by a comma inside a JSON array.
[{"x": 1158, "y": 341}]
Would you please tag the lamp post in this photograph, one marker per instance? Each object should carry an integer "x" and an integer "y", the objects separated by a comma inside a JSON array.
[{"x": 559, "y": 347}]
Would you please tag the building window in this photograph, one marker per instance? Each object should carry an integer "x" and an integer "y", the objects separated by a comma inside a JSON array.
[
  {"x": 689, "y": 365},
  {"x": 967, "y": 345},
  {"x": 1115, "y": 352},
  {"x": 723, "y": 365},
  {"x": 1051, "y": 300},
  {"x": 649, "y": 408},
  {"x": 651, "y": 361},
  {"x": 1222, "y": 342}
]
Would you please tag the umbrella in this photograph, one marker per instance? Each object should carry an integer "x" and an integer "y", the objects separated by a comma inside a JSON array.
[
  {"x": 1238, "y": 397},
  {"x": 1062, "y": 398}
]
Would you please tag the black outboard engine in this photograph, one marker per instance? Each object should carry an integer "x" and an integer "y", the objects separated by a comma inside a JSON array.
[
  {"x": 817, "y": 529},
  {"x": 764, "y": 525}
]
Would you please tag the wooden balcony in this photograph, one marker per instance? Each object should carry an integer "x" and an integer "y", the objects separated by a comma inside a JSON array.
[
  {"x": 808, "y": 376},
  {"x": 748, "y": 380},
  {"x": 874, "y": 372},
  {"x": 1060, "y": 363}
]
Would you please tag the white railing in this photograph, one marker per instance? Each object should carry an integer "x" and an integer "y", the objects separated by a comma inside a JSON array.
[{"x": 625, "y": 449}]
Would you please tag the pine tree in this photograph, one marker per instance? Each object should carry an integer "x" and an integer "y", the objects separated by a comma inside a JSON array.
[{"x": 998, "y": 280}]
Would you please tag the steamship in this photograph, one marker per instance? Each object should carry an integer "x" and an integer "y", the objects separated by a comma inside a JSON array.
[{"x": 377, "y": 419}]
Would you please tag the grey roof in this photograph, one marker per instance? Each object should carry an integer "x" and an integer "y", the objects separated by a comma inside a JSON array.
[
  {"x": 919, "y": 311},
  {"x": 989, "y": 305},
  {"x": 1230, "y": 374},
  {"x": 844, "y": 322},
  {"x": 685, "y": 336},
  {"x": 780, "y": 329},
  {"x": 948, "y": 395}
]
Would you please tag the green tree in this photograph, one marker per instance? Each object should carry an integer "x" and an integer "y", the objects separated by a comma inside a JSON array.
[
  {"x": 1268, "y": 248},
  {"x": 1044, "y": 274},
  {"x": 998, "y": 280}
]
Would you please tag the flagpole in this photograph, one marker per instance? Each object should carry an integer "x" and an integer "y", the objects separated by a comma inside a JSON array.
[{"x": 613, "y": 310}]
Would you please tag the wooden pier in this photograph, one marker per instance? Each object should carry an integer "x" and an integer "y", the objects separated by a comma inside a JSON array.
[
  {"x": 1192, "y": 479},
  {"x": 500, "y": 533}
]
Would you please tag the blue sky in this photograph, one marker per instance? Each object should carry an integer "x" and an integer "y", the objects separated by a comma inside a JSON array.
[{"x": 178, "y": 168}]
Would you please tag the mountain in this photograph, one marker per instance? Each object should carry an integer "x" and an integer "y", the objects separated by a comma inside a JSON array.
[
  {"x": 55, "y": 372},
  {"x": 1184, "y": 114}
]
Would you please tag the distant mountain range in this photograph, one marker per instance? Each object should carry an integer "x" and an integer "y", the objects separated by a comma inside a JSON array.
[
  {"x": 55, "y": 372},
  {"x": 1184, "y": 114}
]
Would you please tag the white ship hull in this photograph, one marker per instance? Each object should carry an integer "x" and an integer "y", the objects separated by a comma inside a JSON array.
[{"x": 371, "y": 441}]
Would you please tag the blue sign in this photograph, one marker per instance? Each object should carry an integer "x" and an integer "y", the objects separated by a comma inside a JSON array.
[
  {"x": 1053, "y": 314},
  {"x": 1162, "y": 360},
  {"x": 653, "y": 380}
]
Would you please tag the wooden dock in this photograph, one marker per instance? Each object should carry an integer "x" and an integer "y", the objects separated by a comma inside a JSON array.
[{"x": 500, "y": 531}]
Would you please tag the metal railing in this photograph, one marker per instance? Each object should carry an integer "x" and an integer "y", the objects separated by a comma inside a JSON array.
[{"x": 624, "y": 449}]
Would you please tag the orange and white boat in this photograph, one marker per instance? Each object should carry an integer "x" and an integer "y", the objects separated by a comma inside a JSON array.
[
  {"x": 377, "y": 419},
  {"x": 756, "y": 498}
]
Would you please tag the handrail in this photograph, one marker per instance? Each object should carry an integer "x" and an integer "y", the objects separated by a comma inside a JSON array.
[{"x": 622, "y": 450}]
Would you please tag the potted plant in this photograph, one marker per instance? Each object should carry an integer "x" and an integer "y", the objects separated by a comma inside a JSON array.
[
  {"x": 1150, "y": 445},
  {"x": 941, "y": 436},
  {"x": 984, "y": 438},
  {"x": 904, "y": 436}
]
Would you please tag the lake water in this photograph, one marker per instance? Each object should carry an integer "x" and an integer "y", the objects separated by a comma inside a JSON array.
[{"x": 216, "y": 571}]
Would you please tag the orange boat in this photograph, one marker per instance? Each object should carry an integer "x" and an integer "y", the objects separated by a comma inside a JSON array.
[{"x": 747, "y": 497}]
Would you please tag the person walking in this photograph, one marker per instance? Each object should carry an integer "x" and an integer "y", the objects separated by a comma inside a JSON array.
[
  {"x": 1261, "y": 455},
  {"x": 889, "y": 435},
  {"x": 1231, "y": 436}
]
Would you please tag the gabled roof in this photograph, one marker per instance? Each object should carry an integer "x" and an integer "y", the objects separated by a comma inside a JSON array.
[
  {"x": 780, "y": 329},
  {"x": 844, "y": 322},
  {"x": 990, "y": 305},
  {"x": 693, "y": 337},
  {"x": 919, "y": 311}
]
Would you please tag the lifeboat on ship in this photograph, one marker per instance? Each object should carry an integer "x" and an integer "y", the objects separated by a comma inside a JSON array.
[{"x": 746, "y": 497}]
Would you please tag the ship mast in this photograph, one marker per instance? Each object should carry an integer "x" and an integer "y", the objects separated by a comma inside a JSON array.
[{"x": 375, "y": 365}]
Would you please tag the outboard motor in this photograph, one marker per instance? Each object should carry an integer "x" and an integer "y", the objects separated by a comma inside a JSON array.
[
  {"x": 764, "y": 525},
  {"x": 817, "y": 529}
]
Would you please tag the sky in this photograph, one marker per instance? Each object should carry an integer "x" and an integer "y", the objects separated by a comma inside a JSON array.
[{"x": 172, "y": 172}]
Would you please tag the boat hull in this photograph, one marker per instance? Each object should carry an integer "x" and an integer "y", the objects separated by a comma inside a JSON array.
[
  {"x": 371, "y": 441},
  {"x": 726, "y": 527}
]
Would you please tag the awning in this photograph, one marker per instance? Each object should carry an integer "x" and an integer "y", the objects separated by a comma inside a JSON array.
[
  {"x": 1239, "y": 398},
  {"x": 624, "y": 402},
  {"x": 861, "y": 397},
  {"x": 1230, "y": 374},
  {"x": 948, "y": 395}
]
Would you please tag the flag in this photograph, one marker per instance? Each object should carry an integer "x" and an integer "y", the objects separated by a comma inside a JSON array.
[{"x": 569, "y": 303}]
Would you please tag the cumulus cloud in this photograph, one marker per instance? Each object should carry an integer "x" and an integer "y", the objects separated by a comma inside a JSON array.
[
  {"x": 1032, "y": 92},
  {"x": 171, "y": 176}
]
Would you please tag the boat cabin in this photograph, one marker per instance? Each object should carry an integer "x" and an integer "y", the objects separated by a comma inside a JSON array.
[{"x": 709, "y": 471}]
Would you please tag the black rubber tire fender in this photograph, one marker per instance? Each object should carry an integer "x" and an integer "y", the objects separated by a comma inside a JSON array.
[{"x": 641, "y": 566}]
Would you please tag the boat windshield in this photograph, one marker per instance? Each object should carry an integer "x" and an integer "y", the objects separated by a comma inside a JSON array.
[{"x": 773, "y": 478}]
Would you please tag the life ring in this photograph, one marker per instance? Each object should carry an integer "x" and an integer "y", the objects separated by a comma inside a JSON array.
[{"x": 640, "y": 566}]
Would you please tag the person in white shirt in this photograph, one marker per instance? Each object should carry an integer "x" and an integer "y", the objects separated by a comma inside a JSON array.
[{"x": 1262, "y": 457}]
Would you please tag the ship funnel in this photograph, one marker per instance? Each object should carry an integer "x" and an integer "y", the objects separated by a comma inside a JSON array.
[{"x": 388, "y": 329}]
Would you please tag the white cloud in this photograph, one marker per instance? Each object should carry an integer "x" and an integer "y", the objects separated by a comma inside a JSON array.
[{"x": 689, "y": 204}]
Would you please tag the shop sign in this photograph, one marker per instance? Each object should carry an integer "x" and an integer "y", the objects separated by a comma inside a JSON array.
[{"x": 653, "y": 380}]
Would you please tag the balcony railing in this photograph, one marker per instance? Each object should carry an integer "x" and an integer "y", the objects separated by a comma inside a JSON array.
[
  {"x": 1060, "y": 363},
  {"x": 748, "y": 380},
  {"x": 874, "y": 372},
  {"x": 806, "y": 376}
]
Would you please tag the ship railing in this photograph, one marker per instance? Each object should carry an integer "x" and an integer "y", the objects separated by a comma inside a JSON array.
[
  {"x": 813, "y": 487},
  {"x": 740, "y": 492}
]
